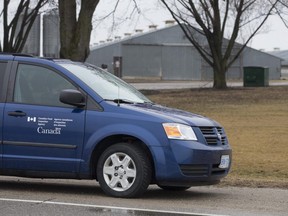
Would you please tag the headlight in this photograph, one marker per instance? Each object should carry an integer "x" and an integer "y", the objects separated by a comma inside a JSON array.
[{"x": 179, "y": 131}]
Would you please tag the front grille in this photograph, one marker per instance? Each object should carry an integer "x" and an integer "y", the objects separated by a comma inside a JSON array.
[
  {"x": 202, "y": 170},
  {"x": 195, "y": 170},
  {"x": 211, "y": 135}
]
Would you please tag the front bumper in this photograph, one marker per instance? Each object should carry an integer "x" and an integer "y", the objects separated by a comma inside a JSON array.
[{"x": 189, "y": 163}]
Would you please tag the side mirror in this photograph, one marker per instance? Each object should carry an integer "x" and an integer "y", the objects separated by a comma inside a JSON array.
[{"x": 72, "y": 97}]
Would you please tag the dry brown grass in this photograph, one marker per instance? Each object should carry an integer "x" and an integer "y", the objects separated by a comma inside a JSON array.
[{"x": 256, "y": 122}]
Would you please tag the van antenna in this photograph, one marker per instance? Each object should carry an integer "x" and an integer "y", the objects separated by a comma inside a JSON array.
[{"x": 118, "y": 103}]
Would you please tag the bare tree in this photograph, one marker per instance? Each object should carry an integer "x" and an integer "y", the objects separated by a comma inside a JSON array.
[
  {"x": 15, "y": 33},
  {"x": 214, "y": 26}
]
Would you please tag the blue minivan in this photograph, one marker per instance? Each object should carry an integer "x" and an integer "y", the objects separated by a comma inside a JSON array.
[{"x": 71, "y": 120}]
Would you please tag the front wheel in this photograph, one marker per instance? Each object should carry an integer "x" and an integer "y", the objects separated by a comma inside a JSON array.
[{"x": 123, "y": 171}]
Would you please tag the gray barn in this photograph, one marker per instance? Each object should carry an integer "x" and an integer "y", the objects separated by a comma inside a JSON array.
[
  {"x": 283, "y": 54},
  {"x": 166, "y": 54}
]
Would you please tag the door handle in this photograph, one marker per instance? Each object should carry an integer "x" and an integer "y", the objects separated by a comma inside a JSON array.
[{"x": 17, "y": 113}]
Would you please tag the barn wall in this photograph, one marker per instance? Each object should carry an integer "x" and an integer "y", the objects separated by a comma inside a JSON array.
[
  {"x": 161, "y": 61},
  {"x": 105, "y": 55}
]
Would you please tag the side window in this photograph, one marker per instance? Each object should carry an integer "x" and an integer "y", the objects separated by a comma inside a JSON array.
[
  {"x": 2, "y": 72},
  {"x": 39, "y": 85}
]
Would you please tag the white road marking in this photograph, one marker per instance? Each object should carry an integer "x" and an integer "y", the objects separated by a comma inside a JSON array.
[{"x": 105, "y": 207}]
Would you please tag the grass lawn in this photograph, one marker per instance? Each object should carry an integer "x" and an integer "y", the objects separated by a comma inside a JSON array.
[{"x": 256, "y": 122}]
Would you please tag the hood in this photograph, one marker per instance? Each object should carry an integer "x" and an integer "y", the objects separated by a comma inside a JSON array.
[{"x": 178, "y": 116}]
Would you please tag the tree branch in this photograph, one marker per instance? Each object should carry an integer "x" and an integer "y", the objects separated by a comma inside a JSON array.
[{"x": 254, "y": 33}]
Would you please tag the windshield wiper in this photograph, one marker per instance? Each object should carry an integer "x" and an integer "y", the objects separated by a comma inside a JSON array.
[
  {"x": 149, "y": 102},
  {"x": 121, "y": 101},
  {"x": 125, "y": 101}
]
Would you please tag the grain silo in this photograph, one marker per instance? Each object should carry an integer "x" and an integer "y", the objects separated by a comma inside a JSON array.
[
  {"x": 32, "y": 45},
  {"x": 51, "y": 35}
]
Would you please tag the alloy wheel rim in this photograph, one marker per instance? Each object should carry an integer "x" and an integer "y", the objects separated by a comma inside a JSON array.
[{"x": 119, "y": 171}]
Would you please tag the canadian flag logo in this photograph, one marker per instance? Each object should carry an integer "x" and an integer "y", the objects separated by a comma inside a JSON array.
[{"x": 31, "y": 119}]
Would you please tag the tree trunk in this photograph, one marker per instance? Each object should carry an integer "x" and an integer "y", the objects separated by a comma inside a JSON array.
[
  {"x": 67, "y": 13},
  {"x": 75, "y": 34},
  {"x": 219, "y": 78}
]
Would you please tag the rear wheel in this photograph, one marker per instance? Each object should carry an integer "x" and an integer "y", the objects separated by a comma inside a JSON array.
[{"x": 123, "y": 171}]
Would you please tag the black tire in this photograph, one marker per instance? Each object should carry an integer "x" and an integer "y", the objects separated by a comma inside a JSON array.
[
  {"x": 124, "y": 171},
  {"x": 174, "y": 188}
]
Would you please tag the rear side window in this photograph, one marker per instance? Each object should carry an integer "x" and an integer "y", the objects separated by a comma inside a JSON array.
[
  {"x": 3, "y": 66},
  {"x": 39, "y": 85}
]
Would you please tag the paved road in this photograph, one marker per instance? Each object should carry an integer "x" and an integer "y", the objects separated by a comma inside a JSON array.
[
  {"x": 192, "y": 84},
  {"x": 19, "y": 196}
]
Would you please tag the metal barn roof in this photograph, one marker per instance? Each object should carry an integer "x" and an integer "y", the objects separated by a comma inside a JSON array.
[{"x": 283, "y": 54}]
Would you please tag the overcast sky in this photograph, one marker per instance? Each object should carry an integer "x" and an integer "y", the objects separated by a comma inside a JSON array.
[
  {"x": 276, "y": 36},
  {"x": 273, "y": 35}
]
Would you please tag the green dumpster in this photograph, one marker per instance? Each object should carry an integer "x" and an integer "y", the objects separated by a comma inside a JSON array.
[{"x": 256, "y": 77}]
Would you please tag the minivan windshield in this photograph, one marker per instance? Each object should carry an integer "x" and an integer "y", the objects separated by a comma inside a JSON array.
[{"x": 106, "y": 85}]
